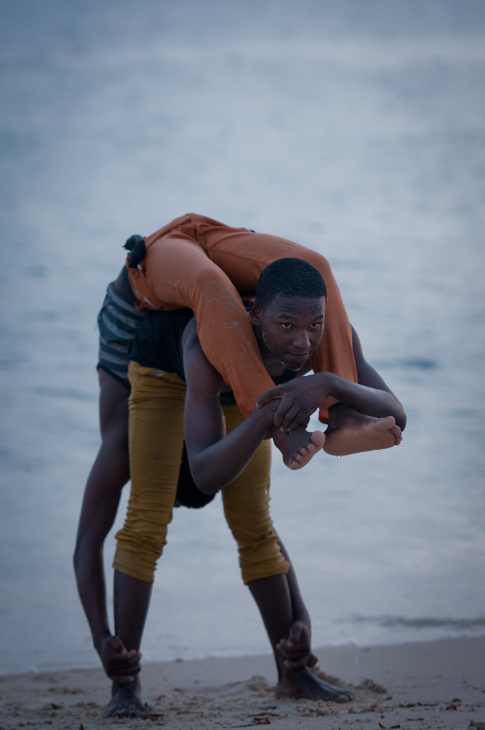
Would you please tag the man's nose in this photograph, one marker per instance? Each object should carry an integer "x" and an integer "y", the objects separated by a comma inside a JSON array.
[{"x": 302, "y": 340}]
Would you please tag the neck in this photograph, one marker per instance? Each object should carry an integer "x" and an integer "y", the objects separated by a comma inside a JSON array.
[{"x": 274, "y": 367}]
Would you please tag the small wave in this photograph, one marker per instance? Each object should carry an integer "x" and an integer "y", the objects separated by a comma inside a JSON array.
[
  {"x": 416, "y": 363},
  {"x": 71, "y": 393},
  {"x": 422, "y": 623}
]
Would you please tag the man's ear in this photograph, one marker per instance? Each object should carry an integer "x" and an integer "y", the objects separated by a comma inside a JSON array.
[{"x": 255, "y": 313}]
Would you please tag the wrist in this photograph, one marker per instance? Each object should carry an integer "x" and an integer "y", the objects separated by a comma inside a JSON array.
[
  {"x": 100, "y": 638},
  {"x": 302, "y": 616},
  {"x": 328, "y": 383},
  {"x": 265, "y": 414}
]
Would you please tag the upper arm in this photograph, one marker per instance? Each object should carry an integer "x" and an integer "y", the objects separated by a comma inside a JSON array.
[
  {"x": 203, "y": 416},
  {"x": 366, "y": 374}
]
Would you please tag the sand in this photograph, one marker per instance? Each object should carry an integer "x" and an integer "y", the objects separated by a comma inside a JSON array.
[{"x": 430, "y": 685}]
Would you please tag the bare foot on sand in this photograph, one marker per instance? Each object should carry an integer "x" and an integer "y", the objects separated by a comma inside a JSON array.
[
  {"x": 350, "y": 432},
  {"x": 125, "y": 701},
  {"x": 298, "y": 447},
  {"x": 301, "y": 685}
]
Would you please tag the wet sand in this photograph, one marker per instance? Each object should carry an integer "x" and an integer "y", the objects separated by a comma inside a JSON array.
[{"x": 427, "y": 685}]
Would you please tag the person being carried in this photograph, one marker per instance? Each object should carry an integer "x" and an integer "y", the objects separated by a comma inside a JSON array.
[
  {"x": 200, "y": 263},
  {"x": 229, "y": 453}
]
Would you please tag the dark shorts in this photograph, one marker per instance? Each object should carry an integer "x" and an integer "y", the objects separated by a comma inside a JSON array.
[{"x": 118, "y": 321}]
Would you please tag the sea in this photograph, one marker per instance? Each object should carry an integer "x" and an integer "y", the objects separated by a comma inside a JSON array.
[{"x": 354, "y": 127}]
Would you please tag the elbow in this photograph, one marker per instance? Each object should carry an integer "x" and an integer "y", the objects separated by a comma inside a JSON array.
[
  {"x": 401, "y": 419},
  {"x": 208, "y": 476},
  {"x": 206, "y": 487},
  {"x": 205, "y": 482},
  {"x": 79, "y": 558},
  {"x": 88, "y": 550}
]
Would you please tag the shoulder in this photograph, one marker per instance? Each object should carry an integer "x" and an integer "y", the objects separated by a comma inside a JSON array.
[{"x": 200, "y": 375}]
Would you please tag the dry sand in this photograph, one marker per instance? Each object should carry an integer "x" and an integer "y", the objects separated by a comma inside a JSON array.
[{"x": 430, "y": 685}]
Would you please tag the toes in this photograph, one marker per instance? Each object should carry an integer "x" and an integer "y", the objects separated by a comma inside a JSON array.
[
  {"x": 318, "y": 438},
  {"x": 384, "y": 424},
  {"x": 343, "y": 698}
]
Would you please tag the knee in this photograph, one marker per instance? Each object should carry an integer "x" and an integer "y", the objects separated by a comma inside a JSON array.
[
  {"x": 319, "y": 262},
  {"x": 260, "y": 555},
  {"x": 215, "y": 286},
  {"x": 137, "y": 555},
  {"x": 261, "y": 561},
  {"x": 115, "y": 438}
]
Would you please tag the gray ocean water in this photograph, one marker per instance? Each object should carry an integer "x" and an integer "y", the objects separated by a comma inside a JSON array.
[{"x": 355, "y": 127}]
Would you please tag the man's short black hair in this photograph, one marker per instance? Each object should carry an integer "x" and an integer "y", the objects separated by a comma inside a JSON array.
[{"x": 290, "y": 278}]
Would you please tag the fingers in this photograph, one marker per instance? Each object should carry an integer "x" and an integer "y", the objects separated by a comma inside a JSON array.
[
  {"x": 127, "y": 668},
  {"x": 122, "y": 679},
  {"x": 288, "y": 416},
  {"x": 296, "y": 649},
  {"x": 293, "y": 659},
  {"x": 123, "y": 674},
  {"x": 295, "y": 634},
  {"x": 269, "y": 396},
  {"x": 114, "y": 644},
  {"x": 120, "y": 665}
]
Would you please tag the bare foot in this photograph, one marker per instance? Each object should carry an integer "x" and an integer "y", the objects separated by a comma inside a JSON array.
[
  {"x": 299, "y": 446},
  {"x": 351, "y": 433},
  {"x": 125, "y": 701},
  {"x": 301, "y": 685}
]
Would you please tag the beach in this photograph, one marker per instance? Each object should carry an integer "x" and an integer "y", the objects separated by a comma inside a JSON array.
[
  {"x": 356, "y": 129},
  {"x": 437, "y": 684}
]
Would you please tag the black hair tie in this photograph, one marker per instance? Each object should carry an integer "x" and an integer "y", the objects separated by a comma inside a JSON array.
[{"x": 137, "y": 250}]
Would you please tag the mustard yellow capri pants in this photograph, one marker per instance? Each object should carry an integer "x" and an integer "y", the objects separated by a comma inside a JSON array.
[{"x": 156, "y": 437}]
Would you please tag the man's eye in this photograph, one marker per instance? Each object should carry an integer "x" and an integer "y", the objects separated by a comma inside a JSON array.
[
  {"x": 286, "y": 325},
  {"x": 316, "y": 325}
]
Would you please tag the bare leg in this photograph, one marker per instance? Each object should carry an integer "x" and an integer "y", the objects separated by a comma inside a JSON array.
[
  {"x": 131, "y": 599},
  {"x": 350, "y": 432},
  {"x": 287, "y": 623},
  {"x": 109, "y": 474}
]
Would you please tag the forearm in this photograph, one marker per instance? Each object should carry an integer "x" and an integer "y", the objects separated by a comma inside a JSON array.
[
  {"x": 88, "y": 567},
  {"x": 367, "y": 400},
  {"x": 217, "y": 465}
]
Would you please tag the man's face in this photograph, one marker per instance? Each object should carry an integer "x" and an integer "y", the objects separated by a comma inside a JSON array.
[{"x": 291, "y": 328}]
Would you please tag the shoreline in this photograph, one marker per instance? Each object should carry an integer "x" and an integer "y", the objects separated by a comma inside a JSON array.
[{"x": 439, "y": 684}]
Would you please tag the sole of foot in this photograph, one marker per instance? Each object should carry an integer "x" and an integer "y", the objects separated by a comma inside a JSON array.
[{"x": 363, "y": 434}]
